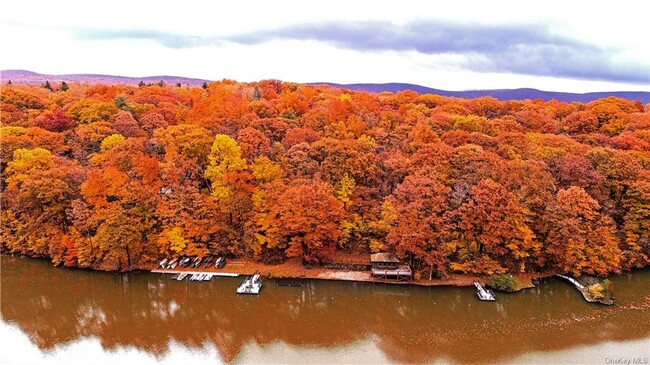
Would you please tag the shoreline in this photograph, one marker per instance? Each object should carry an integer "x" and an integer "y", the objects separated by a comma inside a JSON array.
[{"x": 294, "y": 270}]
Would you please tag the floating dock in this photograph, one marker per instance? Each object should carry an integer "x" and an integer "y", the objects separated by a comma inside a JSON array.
[
  {"x": 250, "y": 285},
  {"x": 483, "y": 293},
  {"x": 197, "y": 277},
  {"x": 194, "y": 275}
]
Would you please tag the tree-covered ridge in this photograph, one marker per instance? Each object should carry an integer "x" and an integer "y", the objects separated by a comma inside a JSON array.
[{"x": 116, "y": 177}]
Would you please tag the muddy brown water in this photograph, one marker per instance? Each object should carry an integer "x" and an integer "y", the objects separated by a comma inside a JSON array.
[{"x": 55, "y": 307}]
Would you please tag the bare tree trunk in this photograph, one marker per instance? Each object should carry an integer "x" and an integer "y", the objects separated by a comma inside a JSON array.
[{"x": 128, "y": 257}]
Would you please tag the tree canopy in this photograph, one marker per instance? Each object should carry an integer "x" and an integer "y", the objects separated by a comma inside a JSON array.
[{"x": 116, "y": 177}]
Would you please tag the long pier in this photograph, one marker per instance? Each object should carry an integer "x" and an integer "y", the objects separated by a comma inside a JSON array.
[{"x": 188, "y": 272}]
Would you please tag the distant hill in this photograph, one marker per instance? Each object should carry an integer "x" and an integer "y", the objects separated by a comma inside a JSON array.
[
  {"x": 501, "y": 94},
  {"x": 28, "y": 77}
]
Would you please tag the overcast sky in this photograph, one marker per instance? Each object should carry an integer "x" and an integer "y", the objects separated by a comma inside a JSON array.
[{"x": 455, "y": 45}]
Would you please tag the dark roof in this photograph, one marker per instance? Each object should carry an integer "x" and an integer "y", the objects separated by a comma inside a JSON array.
[{"x": 383, "y": 257}]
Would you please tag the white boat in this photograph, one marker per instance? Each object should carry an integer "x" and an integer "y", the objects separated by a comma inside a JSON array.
[
  {"x": 250, "y": 285},
  {"x": 207, "y": 277},
  {"x": 163, "y": 263},
  {"x": 484, "y": 294},
  {"x": 181, "y": 276}
]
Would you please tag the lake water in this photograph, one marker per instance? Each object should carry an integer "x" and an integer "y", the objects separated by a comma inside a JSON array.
[{"x": 57, "y": 315}]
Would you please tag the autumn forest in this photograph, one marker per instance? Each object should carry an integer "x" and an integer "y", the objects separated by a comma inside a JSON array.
[{"x": 118, "y": 177}]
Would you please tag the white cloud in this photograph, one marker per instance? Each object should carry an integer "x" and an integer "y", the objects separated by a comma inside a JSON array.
[{"x": 36, "y": 35}]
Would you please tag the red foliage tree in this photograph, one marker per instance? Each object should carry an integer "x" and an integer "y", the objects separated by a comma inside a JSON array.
[{"x": 54, "y": 121}]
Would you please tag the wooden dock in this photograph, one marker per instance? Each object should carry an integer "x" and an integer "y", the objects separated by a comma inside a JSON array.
[{"x": 403, "y": 272}]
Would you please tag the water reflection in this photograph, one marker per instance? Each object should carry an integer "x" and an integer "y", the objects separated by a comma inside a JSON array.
[{"x": 408, "y": 324}]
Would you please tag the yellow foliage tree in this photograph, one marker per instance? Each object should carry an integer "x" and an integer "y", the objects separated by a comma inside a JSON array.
[
  {"x": 111, "y": 141},
  {"x": 266, "y": 170},
  {"x": 224, "y": 158},
  {"x": 27, "y": 161},
  {"x": 345, "y": 189},
  {"x": 177, "y": 242}
]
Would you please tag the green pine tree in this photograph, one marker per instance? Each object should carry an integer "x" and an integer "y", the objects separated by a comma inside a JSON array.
[{"x": 120, "y": 103}]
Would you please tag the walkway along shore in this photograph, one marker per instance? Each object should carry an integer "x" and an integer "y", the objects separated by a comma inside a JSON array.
[{"x": 585, "y": 291}]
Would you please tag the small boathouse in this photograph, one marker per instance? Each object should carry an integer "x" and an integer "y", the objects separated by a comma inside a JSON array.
[{"x": 387, "y": 266}]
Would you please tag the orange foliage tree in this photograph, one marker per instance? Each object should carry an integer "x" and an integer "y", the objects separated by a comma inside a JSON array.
[
  {"x": 304, "y": 222},
  {"x": 417, "y": 216},
  {"x": 580, "y": 239}
]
